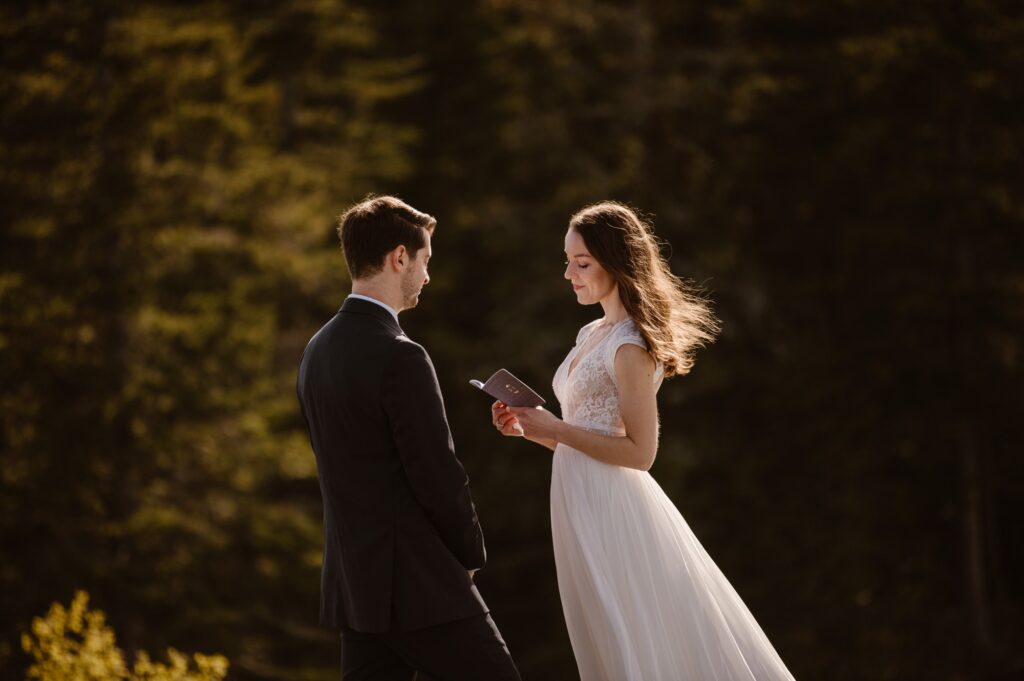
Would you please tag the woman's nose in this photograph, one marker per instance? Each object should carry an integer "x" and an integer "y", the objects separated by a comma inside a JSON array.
[{"x": 566, "y": 273}]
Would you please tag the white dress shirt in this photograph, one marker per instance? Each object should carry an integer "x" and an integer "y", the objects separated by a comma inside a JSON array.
[{"x": 374, "y": 300}]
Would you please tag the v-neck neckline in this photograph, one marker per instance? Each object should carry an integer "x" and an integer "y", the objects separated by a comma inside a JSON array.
[{"x": 578, "y": 359}]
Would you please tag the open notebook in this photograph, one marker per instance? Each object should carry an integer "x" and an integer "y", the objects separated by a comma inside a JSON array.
[{"x": 505, "y": 387}]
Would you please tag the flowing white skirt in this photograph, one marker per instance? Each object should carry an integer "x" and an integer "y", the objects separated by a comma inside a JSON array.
[{"x": 642, "y": 599}]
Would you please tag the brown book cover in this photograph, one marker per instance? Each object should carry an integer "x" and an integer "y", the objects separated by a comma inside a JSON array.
[{"x": 505, "y": 387}]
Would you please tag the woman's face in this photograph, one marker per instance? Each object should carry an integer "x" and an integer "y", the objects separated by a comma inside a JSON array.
[{"x": 591, "y": 282}]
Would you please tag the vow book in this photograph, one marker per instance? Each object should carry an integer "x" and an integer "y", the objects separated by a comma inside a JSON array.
[{"x": 505, "y": 387}]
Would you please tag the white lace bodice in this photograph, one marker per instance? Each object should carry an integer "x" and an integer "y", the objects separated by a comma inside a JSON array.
[{"x": 589, "y": 395}]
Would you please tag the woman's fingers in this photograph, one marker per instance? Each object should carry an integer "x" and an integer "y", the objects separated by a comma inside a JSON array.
[
  {"x": 504, "y": 420},
  {"x": 522, "y": 413}
]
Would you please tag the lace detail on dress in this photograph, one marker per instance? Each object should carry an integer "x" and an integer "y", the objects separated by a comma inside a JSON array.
[{"x": 588, "y": 395}]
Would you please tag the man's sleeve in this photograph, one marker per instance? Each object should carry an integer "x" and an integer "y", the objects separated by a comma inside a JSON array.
[{"x": 412, "y": 400}]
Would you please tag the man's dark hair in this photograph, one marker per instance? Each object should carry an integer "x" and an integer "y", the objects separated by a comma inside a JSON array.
[{"x": 376, "y": 226}]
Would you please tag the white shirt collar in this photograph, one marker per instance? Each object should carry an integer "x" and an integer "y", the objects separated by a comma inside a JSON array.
[{"x": 374, "y": 300}]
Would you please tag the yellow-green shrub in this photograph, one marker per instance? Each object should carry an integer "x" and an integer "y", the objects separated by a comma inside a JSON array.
[{"x": 75, "y": 644}]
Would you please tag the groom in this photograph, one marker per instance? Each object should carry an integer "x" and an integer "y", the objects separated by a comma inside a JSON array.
[{"x": 401, "y": 536}]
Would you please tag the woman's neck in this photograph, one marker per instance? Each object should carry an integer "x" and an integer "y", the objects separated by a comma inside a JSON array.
[{"x": 614, "y": 310}]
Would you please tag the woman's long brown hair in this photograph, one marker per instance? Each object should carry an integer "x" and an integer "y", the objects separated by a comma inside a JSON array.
[{"x": 672, "y": 315}]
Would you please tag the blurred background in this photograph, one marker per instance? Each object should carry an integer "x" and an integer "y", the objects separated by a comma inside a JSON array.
[{"x": 844, "y": 178}]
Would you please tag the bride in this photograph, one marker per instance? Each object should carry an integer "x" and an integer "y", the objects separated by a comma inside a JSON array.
[{"x": 642, "y": 599}]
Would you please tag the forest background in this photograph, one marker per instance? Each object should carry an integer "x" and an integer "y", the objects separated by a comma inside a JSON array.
[{"x": 844, "y": 178}]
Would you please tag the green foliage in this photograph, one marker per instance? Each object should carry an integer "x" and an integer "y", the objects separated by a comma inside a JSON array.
[{"x": 76, "y": 644}]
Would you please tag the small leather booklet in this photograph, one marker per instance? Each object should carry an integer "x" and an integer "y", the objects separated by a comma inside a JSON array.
[{"x": 505, "y": 387}]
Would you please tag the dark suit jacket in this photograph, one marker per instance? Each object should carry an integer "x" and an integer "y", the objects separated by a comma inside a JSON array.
[{"x": 400, "y": 529}]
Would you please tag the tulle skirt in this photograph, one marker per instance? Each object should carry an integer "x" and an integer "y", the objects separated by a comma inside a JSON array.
[{"x": 642, "y": 599}]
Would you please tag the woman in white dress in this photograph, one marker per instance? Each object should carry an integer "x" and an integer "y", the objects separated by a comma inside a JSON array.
[{"x": 642, "y": 599}]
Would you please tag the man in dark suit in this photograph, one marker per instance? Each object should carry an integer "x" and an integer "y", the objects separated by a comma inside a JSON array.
[{"x": 401, "y": 535}]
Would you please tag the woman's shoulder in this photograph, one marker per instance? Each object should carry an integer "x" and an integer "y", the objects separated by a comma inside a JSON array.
[{"x": 629, "y": 332}]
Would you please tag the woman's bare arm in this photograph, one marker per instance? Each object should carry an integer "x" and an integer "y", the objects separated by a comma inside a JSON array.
[{"x": 634, "y": 373}]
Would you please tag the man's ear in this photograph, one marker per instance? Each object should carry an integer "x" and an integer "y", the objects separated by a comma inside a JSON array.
[{"x": 398, "y": 257}]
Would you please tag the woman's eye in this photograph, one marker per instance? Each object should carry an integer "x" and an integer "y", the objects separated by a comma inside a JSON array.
[{"x": 583, "y": 267}]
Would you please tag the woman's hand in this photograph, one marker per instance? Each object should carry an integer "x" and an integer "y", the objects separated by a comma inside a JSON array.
[
  {"x": 505, "y": 421},
  {"x": 536, "y": 422}
]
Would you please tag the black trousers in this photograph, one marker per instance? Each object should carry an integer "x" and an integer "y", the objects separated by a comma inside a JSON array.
[{"x": 464, "y": 650}]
